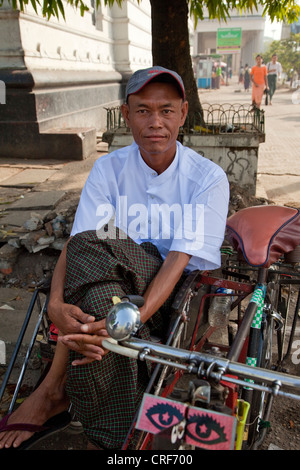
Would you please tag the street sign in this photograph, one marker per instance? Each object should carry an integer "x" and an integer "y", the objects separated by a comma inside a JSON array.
[{"x": 229, "y": 40}]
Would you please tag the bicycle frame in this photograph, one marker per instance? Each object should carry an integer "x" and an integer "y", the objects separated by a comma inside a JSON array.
[
  {"x": 230, "y": 369},
  {"x": 203, "y": 365}
]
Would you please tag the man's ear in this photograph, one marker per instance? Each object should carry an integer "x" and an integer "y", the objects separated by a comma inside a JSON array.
[
  {"x": 184, "y": 111},
  {"x": 125, "y": 113}
]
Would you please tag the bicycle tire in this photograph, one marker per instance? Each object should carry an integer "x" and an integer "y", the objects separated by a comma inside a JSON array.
[
  {"x": 260, "y": 403},
  {"x": 257, "y": 415}
]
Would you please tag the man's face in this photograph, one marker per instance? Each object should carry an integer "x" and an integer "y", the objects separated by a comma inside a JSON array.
[
  {"x": 258, "y": 60},
  {"x": 274, "y": 58},
  {"x": 154, "y": 115}
]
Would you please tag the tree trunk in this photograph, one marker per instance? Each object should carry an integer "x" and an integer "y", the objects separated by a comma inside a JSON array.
[{"x": 171, "y": 47}]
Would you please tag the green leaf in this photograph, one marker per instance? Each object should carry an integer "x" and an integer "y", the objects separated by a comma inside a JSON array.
[
  {"x": 280, "y": 10},
  {"x": 61, "y": 8}
]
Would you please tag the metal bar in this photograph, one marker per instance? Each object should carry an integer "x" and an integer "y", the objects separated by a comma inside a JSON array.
[
  {"x": 28, "y": 353},
  {"x": 196, "y": 358},
  {"x": 293, "y": 327},
  {"x": 242, "y": 332},
  {"x": 234, "y": 285},
  {"x": 223, "y": 366},
  {"x": 19, "y": 343}
]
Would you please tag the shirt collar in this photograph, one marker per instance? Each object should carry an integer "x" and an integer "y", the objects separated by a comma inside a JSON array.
[{"x": 152, "y": 173}]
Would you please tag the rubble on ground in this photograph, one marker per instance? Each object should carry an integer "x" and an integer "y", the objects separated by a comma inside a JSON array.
[
  {"x": 41, "y": 232},
  {"x": 240, "y": 198},
  {"x": 38, "y": 233}
]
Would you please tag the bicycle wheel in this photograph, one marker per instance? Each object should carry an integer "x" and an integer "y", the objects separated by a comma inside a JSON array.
[{"x": 258, "y": 415}]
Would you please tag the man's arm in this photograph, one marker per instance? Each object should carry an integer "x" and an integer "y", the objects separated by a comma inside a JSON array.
[
  {"x": 66, "y": 317},
  {"x": 156, "y": 294},
  {"x": 266, "y": 82},
  {"x": 164, "y": 283}
]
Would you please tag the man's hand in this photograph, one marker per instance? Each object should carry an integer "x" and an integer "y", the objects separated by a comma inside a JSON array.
[
  {"x": 87, "y": 344},
  {"x": 78, "y": 330},
  {"x": 68, "y": 318}
]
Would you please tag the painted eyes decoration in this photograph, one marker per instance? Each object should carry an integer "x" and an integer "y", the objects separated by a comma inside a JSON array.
[
  {"x": 164, "y": 415},
  {"x": 202, "y": 428},
  {"x": 205, "y": 430}
]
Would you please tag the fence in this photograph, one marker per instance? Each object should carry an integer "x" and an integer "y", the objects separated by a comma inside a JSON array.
[{"x": 214, "y": 119}]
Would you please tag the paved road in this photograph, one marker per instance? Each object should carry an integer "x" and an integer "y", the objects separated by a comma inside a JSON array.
[{"x": 279, "y": 156}]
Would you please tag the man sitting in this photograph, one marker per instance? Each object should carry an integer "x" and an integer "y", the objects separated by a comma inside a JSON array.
[{"x": 148, "y": 214}]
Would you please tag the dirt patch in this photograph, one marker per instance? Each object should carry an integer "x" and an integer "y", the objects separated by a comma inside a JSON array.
[{"x": 284, "y": 432}]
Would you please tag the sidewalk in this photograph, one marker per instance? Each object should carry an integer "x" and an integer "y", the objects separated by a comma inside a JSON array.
[{"x": 278, "y": 176}]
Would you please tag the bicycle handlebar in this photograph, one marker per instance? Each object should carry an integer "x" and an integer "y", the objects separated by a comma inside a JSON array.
[{"x": 206, "y": 365}]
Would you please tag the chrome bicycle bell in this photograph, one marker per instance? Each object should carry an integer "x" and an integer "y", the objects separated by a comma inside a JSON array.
[{"x": 123, "y": 320}]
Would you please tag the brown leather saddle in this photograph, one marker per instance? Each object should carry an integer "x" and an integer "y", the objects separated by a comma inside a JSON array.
[{"x": 262, "y": 234}]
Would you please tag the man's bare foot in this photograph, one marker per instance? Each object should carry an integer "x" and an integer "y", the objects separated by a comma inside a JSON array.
[{"x": 40, "y": 406}]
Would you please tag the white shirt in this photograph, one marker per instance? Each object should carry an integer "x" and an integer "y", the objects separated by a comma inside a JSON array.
[
  {"x": 274, "y": 69},
  {"x": 182, "y": 209}
]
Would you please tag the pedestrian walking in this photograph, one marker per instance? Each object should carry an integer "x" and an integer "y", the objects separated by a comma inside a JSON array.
[
  {"x": 218, "y": 76},
  {"x": 246, "y": 78},
  {"x": 258, "y": 77},
  {"x": 241, "y": 75},
  {"x": 274, "y": 70}
]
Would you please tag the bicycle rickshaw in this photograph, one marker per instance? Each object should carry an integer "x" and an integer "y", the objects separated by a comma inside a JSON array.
[{"x": 203, "y": 393}]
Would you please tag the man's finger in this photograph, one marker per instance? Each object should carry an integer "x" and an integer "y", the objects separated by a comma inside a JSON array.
[
  {"x": 85, "y": 344},
  {"x": 82, "y": 339},
  {"x": 79, "y": 315},
  {"x": 83, "y": 361},
  {"x": 96, "y": 328}
]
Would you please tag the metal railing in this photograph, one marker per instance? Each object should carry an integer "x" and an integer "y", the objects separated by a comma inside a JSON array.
[
  {"x": 214, "y": 119},
  {"x": 226, "y": 118}
]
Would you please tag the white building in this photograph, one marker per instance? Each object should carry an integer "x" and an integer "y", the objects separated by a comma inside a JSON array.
[
  {"x": 252, "y": 26},
  {"x": 60, "y": 75}
]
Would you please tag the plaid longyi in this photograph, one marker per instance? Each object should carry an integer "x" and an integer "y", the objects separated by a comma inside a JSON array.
[{"x": 106, "y": 393}]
